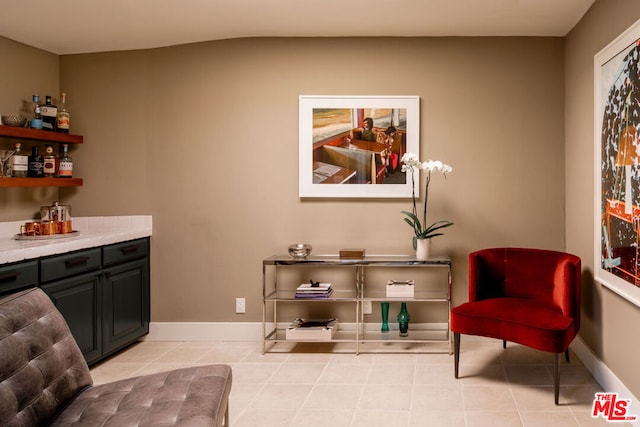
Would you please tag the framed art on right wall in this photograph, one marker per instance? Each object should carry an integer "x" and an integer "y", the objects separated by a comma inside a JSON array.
[{"x": 617, "y": 165}]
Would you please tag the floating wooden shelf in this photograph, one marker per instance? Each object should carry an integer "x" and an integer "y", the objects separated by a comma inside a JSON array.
[
  {"x": 40, "y": 182},
  {"x": 40, "y": 135},
  {"x": 46, "y": 136}
]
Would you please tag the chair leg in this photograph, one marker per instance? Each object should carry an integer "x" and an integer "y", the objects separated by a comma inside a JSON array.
[
  {"x": 504, "y": 344},
  {"x": 456, "y": 353},
  {"x": 556, "y": 377},
  {"x": 566, "y": 355}
]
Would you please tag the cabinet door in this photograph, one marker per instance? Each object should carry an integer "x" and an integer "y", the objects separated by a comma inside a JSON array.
[
  {"x": 125, "y": 304},
  {"x": 78, "y": 299}
]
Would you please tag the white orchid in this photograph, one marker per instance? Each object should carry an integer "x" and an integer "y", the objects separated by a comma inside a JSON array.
[{"x": 411, "y": 163}]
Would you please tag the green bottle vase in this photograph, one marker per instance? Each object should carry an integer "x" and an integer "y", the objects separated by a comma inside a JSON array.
[{"x": 403, "y": 320}]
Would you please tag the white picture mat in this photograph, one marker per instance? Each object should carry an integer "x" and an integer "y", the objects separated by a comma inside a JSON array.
[{"x": 308, "y": 102}]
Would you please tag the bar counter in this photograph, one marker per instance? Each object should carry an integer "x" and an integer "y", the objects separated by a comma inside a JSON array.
[{"x": 91, "y": 232}]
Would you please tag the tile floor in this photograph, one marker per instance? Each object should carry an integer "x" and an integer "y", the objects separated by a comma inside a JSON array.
[{"x": 323, "y": 385}]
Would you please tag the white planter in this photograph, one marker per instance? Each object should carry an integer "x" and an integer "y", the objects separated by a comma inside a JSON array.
[{"x": 423, "y": 249}]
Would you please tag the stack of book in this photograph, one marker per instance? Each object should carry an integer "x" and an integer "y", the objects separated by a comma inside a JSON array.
[
  {"x": 312, "y": 329},
  {"x": 314, "y": 290}
]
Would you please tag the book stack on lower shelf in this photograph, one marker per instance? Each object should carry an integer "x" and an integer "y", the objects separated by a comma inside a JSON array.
[
  {"x": 314, "y": 290},
  {"x": 312, "y": 329}
]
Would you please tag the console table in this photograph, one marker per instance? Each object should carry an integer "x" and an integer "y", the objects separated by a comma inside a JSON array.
[{"x": 360, "y": 282}]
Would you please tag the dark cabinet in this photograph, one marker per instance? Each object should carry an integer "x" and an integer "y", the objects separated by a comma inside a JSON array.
[
  {"x": 103, "y": 294},
  {"x": 17, "y": 276},
  {"x": 125, "y": 293},
  {"x": 78, "y": 299}
]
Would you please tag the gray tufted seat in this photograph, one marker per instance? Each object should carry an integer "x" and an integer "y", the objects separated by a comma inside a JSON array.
[{"x": 44, "y": 379}]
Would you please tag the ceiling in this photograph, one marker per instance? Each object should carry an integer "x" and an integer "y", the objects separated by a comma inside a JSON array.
[{"x": 83, "y": 26}]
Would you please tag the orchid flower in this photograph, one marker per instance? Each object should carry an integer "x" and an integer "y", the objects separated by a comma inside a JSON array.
[{"x": 411, "y": 163}]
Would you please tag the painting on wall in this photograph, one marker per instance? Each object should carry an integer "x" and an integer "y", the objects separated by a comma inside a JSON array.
[
  {"x": 617, "y": 166},
  {"x": 352, "y": 146}
]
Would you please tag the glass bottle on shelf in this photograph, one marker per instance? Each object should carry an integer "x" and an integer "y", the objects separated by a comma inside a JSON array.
[
  {"x": 49, "y": 159},
  {"x": 19, "y": 162},
  {"x": 49, "y": 114},
  {"x": 403, "y": 320},
  {"x": 63, "y": 117},
  {"x": 36, "y": 163},
  {"x": 65, "y": 163},
  {"x": 36, "y": 121}
]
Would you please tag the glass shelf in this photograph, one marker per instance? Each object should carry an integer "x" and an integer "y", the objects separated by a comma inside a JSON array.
[{"x": 436, "y": 290}]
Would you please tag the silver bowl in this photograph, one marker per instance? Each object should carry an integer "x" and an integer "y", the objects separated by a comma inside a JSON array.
[
  {"x": 299, "y": 250},
  {"x": 15, "y": 121}
]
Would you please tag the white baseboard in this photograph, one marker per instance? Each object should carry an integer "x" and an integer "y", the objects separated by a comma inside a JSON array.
[
  {"x": 604, "y": 376},
  {"x": 205, "y": 331}
]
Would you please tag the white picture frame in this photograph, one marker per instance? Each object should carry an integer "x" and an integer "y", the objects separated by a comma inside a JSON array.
[
  {"x": 617, "y": 174},
  {"x": 331, "y": 165}
]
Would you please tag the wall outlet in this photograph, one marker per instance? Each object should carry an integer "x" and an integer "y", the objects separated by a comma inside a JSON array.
[
  {"x": 240, "y": 305},
  {"x": 366, "y": 307}
]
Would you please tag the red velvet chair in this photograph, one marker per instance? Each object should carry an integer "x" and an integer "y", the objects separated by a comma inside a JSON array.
[{"x": 527, "y": 296}]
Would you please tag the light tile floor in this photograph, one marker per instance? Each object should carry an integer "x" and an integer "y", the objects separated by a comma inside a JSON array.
[{"x": 323, "y": 385}]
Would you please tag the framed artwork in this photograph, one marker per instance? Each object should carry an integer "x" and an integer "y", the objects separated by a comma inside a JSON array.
[
  {"x": 617, "y": 168},
  {"x": 351, "y": 146}
]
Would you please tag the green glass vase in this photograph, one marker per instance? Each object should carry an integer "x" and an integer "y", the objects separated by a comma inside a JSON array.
[
  {"x": 403, "y": 320},
  {"x": 384, "y": 308}
]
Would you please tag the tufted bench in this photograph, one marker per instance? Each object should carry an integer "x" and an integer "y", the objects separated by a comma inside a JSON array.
[{"x": 44, "y": 379}]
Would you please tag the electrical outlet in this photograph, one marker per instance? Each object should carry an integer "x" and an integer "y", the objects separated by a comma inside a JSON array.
[
  {"x": 366, "y": 307},
  {"x": 240, "y": 305}
]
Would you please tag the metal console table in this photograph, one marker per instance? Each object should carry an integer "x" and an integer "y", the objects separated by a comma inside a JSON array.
[{"x": 358, "y": 292}]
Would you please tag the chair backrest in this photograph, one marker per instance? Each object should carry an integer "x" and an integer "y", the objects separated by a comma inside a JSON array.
[
  {"x": 41, "y": 366},
  {"x": 546, "y": 276}
]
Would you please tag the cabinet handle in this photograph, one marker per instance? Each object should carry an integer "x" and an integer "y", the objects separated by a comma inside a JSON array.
[
  {"x": 9, "y": 276},
  {"x": 77, "y": 261},
  {"x": 129, "y": 249}
]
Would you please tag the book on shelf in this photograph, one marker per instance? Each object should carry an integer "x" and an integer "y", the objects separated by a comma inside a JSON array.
[
  {"x": 352, "y": 253},
  {"x": 314, "y": 290},
  {"x": 314, "y": 286},
  {"x": 314, "y": 295},
  {"x": 312, "y": 329}
]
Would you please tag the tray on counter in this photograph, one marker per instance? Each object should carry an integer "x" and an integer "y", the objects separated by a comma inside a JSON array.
[{"x": 46, "y": 237}]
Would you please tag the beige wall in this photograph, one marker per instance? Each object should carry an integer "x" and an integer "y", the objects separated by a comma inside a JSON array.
[
  {"x": 204, "y": 137},
  {"x": 608, "y": 319},
  {"x": 25, "y": 71}
]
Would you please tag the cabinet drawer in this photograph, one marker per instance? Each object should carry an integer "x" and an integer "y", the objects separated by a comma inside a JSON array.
[
  {"x": 125, "y": 251},
  {"x": 18, "y": 276},
  {"x": 69, "y": 264}
]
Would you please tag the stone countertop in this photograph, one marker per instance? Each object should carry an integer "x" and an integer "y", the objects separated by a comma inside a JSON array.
[{"x": 92, "y": 232}]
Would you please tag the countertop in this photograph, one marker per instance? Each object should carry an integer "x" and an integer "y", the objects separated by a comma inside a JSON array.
[{"x": 92, "y": 232}]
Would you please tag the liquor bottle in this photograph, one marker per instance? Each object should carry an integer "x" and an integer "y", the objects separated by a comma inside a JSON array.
[
  {"x": 65, "y": 163},
  {"x": 36, "y": 121},
  {"x": 35, "y": 164},
  {"x": 19, "y": 162},
  {"x": 62, "y": 121},
  {"x": 49, "y": 113},
  {"x": 49, "y": 159}
]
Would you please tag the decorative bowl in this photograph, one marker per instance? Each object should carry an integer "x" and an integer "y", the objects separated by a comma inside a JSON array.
[
  {"x": 15, "y": 121},
  {"x": 299, "y": 250}
]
